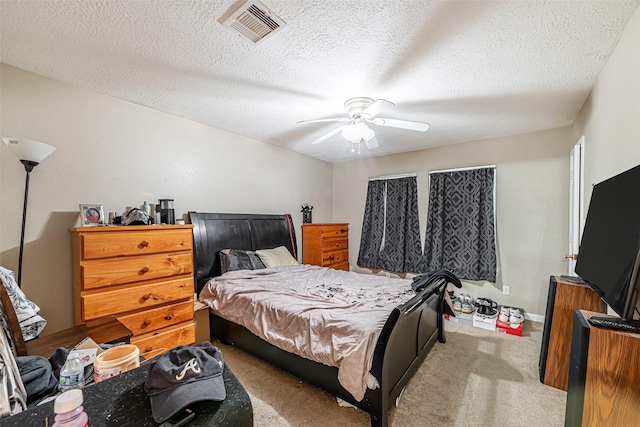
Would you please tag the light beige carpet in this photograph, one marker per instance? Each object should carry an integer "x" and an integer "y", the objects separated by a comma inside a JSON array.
[{"x": 478, "y": 378}]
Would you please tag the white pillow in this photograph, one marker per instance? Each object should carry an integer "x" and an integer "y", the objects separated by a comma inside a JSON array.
[{"x": 276, "y": 257}]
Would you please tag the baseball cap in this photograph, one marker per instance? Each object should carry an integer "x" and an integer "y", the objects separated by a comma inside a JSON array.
[{"x": 182, "y": 376}]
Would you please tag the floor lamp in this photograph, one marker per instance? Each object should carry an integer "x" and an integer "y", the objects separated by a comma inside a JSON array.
[{"x": 30, "y": 153}]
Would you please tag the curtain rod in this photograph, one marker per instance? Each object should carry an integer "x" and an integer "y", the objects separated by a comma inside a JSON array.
[
  {"x": 405, "y": 175},
  {"x": 463, "y": 169}
]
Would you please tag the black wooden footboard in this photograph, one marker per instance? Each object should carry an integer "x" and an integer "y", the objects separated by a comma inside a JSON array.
[{"x": 405, "y": 340}]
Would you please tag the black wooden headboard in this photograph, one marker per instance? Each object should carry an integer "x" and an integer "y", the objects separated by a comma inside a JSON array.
[{"x": 213, "y": 232}]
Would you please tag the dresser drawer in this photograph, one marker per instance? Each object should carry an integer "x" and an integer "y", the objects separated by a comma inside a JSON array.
[
  {"x": 135, "y": 297},
  {"x": 334, "y": 244},
  {"x": 334, "y": 257},
  {"x": 107, "y": 245},
  {"x": 340, "y": 266},
  {"x": 118, "y": 271},
  {"x": 158, "y": 318},
  {"x": 334, "y": 231},
  {"x": 165, "y": 339}
]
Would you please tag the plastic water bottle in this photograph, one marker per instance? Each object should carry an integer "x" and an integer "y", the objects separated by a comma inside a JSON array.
[
  {"x": 72, "y": 373},
  {"x": 69, "y": 410},
  {"x": 146, "y": 208}
]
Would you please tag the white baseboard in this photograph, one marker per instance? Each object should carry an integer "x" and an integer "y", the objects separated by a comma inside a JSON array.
[{"x": 534, "y": 317}]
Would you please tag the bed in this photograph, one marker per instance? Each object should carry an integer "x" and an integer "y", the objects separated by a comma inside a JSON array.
[{"x": 407, "y": 335}]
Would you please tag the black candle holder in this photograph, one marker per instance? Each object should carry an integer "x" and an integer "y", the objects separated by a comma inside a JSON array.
[{"x": 306, "y": 214}]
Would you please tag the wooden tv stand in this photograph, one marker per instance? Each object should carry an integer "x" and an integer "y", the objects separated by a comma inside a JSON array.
[{"x": 604, "y": 376}]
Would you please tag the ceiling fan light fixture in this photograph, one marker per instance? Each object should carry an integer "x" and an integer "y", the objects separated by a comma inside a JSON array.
[
  {"x": 356, "y": 132},
  {"x": 362, "y": 110}
]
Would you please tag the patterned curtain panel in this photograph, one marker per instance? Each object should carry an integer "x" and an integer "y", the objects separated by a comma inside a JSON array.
[
  {"x": 460, "y": 234},
  {"x": 372, "y": 225},
  {"x": 391, "y": 230}
]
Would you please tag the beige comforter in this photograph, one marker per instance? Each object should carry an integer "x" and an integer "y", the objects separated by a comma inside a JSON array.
[{"x": 329, "y": 316}]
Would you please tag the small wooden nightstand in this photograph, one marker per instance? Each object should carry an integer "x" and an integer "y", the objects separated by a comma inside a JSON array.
[{"x": 326, "y": 245}]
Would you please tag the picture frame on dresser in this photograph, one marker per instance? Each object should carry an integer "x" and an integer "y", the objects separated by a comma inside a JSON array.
[{"x": 92, "y": 215}]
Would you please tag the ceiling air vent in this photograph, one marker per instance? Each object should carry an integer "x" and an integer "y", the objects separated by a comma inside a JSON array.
[{"x": 253, "y": 20}]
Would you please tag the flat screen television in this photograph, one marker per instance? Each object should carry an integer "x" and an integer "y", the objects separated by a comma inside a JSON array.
[{"x": 609, "y": 255}]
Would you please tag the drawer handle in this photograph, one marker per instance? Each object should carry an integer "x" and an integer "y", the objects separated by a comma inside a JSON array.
[
  {"x": 148, "y": 349},
  {"x": 144, "y": 270},
  {"x": 342, "y": 230},
  {"x": 167, "y": 318},
  {"x": 144, "y": 244},
  {"x": 146, "y": 323},
  {"x": 170, "y": 259},
  {"x": 331, "y": 258},
  {"x": 147, "y": 296},
  {"x": 337, "y": 244}
]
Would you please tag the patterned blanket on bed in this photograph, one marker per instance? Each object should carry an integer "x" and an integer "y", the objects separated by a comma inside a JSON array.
[{"x": 329, "y": 316}]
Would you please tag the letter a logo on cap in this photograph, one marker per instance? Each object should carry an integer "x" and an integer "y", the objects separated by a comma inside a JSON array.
[{"x": 191, "y": 364}]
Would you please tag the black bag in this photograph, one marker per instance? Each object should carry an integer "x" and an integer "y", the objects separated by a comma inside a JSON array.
[{"x": 136, "y": 217}]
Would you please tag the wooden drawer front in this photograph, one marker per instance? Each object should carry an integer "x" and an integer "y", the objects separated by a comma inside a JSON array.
[
  {"x": 184, "y": 334},
  {"x": 334, "y": 244},
  {"x": 118, "y": 271},
  {"x": 136, "y": 297},
  {"x": 334, "y": 257},
  {"x": 334, "y": 231},
  {"x": 107, "y": 245},
  {"x": 158, "y": 318},
  {"x": 340, "y": 266}
]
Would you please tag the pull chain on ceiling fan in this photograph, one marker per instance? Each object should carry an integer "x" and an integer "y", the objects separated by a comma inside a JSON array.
[{"x": 362, "y": 110}]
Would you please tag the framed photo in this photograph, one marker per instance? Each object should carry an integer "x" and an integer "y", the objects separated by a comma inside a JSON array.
[{"x": 91, "y": 215}]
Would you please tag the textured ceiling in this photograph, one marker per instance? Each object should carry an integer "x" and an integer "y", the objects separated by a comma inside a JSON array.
[{"x": 471, "y": 69}]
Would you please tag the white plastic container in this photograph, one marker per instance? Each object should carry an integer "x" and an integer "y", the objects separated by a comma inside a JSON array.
[
  {"x": 69, "y": 410},
  {"x": 114, "y": 361}
]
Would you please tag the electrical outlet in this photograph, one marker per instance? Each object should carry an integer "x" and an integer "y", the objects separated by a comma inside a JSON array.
[{"x": 505, "y": 290}]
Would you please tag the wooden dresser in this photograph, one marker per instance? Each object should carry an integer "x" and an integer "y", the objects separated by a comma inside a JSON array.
[
  {"x": 326, "y": 245},
  {"x": 142, "y": 275}
]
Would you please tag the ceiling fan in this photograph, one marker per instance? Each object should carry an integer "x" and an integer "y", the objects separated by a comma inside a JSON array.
[{"x": 361, "y": 111}]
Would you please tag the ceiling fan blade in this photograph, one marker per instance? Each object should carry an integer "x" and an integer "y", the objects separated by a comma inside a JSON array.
[
  {"x": 372, "y": 143},
  {"x": 328, "y": 135},
  {"x": 335, "y": 119},
  {"x": 377, "y": 107},
  {"x": 402, "y": 124}
]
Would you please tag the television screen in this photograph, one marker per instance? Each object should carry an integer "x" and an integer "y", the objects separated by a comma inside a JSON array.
[{"x": 608, "y": 259}]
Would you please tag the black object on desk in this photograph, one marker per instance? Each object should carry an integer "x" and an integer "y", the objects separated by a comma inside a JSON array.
[
  {"x": 122, "y": 401},
  {"x": 615, "y": 323}
]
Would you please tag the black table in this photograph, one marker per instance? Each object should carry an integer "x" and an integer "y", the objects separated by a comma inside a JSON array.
[{"x": 122, "y": 401}]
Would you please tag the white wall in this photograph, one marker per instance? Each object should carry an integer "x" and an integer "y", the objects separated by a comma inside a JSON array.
[
  {"x": 532, "y": 185},
  {"x": 118, "y": 154},
  {"x": 610, "y": 117}
]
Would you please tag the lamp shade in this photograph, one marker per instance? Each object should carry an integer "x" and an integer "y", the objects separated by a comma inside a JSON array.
[{"x": 29, "y": 150}]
